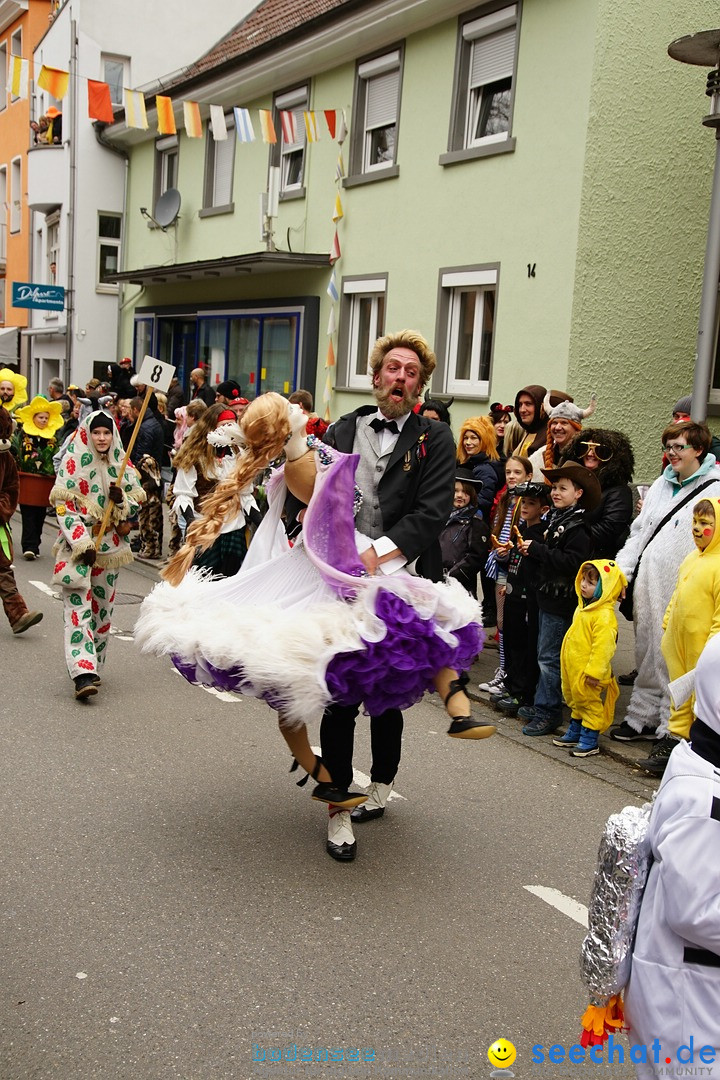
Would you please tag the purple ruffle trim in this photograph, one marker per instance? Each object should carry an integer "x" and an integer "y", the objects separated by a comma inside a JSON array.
[{"x": 395, "y": 673}]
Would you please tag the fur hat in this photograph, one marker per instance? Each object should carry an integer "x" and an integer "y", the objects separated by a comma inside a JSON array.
[
  {"x": 582, "y": 477},
  {"x": 567, "y": 410}
]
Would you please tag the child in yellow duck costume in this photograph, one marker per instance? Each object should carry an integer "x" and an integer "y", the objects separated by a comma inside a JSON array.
[
  {"x": 693, "y": 614},
  {"x": 586, "y": 657}
]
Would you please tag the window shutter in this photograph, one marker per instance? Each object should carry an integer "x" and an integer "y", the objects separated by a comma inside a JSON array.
[
  {"x": 381, "y": 102},
  {"x": 493, "y": 57},
  {"x": 224, "y": 160}
]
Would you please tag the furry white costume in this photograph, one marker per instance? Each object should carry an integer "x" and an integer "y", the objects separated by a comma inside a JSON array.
[
  {"x": 674, "y": 990},
  {"x": 650, "y": 704}
]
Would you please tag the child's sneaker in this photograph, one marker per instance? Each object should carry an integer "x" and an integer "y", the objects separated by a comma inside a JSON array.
[
  {"x": 526, "y": 712},
  {"x": 496, "y": 683},
  {"x": 508, "y": 705},
  {"x": 588, "y": 743},
  {"x": 571, "y": 736}
]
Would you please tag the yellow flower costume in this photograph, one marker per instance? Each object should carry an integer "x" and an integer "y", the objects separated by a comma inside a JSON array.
[
  {"x": 20, "y": 384},
  {"x": 692, "y": 618},
  {"x": 588, "y": 649},
  {"x": 26, "y": 417}
]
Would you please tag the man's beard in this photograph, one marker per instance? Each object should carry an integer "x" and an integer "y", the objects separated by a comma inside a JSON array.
[
  {"x": 394, "y": 408},
  {"x": 5, "y": 396}
]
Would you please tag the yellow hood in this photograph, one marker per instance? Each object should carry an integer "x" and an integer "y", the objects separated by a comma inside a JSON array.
[
  {"x": 612, "y": 580},
  {"x": 715, "y": 539}
]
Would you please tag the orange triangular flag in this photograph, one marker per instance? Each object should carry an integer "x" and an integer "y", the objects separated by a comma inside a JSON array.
[
  {"x": 330, "y": 361},
  {"x": 54, "y": 81},
  {"x": 330, "y": 120},
  {"x": 165, "y": 117},
  {"x": 99, "y": 104}
]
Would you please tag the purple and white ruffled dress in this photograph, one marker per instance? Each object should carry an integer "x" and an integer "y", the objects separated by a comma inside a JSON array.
[{"x": 305, "y": 627}]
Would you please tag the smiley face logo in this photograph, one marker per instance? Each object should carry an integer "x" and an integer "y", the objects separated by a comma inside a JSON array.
[{"x": 502, "y": 1054}]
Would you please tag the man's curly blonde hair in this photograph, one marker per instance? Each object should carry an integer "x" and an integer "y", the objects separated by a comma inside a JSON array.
[{"x": 406, "y": 339}]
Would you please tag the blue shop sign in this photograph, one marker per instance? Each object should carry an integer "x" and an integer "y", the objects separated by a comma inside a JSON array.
[{"x": 27, "y": 295}]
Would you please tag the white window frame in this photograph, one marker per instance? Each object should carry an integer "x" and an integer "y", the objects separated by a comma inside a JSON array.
[
  {"x": 3, "y": 212},
  {"x": 294, "y": 101},
  {"x": 107, "y": 242},
  {"x": 121, "y": 61},
  {"x": 221, "y": 151},
  {"x": 15, "y": 193},
  {"x": 166, "y": 149},
  {"x": 52, "y": 244},
  {"x": 5, "y": 71},
  {"x": 499, "y": 30},
  {"x": 15, "y": 50},
  {"x": 379, "y": 87},
  {"x": 355, "y": 291},
  {"x": 455, "y": 285}
]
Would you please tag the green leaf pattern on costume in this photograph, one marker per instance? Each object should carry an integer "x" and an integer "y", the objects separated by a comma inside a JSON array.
[
  {"x": 89, "y": 648},
  {"x": 99, "y": 591},
  {"x": 75, "y": 599},
  {"x": 76, "y": 637},
  {"x": 86, "y": 459},
  {"x": 74, "y": 652},
  {"x": 112, "y": 471}
]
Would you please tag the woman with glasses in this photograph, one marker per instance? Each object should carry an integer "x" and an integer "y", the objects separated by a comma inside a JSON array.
[
  {"x": 651, "y": 557},
  {"x": 609, "y": 455}
]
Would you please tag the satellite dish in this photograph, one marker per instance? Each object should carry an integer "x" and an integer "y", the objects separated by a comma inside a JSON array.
[{"x": 167, "y": 208}]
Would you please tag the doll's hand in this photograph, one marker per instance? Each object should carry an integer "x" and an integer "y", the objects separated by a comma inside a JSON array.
[
  {"x": 88, "y": 557},
  {"x": 115, "y": 494}
]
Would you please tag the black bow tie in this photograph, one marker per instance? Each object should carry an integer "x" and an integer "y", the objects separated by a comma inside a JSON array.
[{"x": 384, "y": 425}]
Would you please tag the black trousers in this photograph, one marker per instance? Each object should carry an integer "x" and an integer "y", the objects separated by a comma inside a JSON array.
[
  {"x": 520, "y": 634},
  {"x": 337, "y": 738},
  {"x": 33, "y": 518}
]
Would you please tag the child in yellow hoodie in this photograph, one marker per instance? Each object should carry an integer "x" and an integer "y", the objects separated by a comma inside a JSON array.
[
  {"x": 586, "y": 657},
  {"x": 693, "y": 614}
]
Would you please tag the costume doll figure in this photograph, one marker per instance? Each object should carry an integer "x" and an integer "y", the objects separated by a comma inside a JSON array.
[
  {"x": 34, "y": 445},
  {"x": 305, "y": 626},
  {"x": 15, "y": 608},
  {"x": 87, "y": 479}
]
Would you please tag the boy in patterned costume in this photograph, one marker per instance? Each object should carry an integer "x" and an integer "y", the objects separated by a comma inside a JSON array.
[{"x": 86, "y": 480}]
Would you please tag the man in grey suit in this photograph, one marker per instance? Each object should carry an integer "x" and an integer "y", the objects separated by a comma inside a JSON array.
[{"x": 406, "y": 473}]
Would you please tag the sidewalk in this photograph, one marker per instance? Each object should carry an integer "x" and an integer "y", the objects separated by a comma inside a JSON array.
[{"x": 626, "y": 753}]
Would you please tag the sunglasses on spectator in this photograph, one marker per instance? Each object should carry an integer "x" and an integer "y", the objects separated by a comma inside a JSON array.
[
  {"x": 676, "y": 447},
  {"x": 601, "y": 452}
]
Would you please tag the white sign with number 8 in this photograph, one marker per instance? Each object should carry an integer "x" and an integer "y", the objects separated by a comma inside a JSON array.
[{"x": 155, "y": 374}]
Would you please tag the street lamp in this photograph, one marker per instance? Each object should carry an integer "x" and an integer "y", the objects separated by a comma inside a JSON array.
[{"x": 703, "y": 49}]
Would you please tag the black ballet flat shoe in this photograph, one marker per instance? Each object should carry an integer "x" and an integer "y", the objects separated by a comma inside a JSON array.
[
  {"x": 464, "y": 727},
  {"x": 328, "y": 792}
]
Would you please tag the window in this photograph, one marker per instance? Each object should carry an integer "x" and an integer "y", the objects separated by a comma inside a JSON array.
[
  {"x": 166, "y": 165},
  {"x": 114, "y": 75},
  {"x": 15, "y": 50},
  {"x": 109, "y": 231},
  {"x": 15, "y": 195},
  {"x": 362, "y": 321},
  {"x": 4, "y": 74},
  {"x": 52, "y": 225},
  {"x": 376, "y": 109},
  {"x": 289, "y": 151},
  {"x": 714, "y": 398},
  {"x": 219, "y": 166},
  {"x": 484, "y": 85},
  {"x": 466, "y": 327},
  {"x": 3, "y": 213}
]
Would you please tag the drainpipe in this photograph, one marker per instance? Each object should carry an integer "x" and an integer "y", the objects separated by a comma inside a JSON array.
[{"x": 72, "y": 201}]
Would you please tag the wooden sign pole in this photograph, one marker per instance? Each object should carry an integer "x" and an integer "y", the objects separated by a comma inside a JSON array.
[{"x": 131, "y": 444}]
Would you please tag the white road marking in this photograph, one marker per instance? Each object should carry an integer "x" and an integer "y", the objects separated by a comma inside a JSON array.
[
  {"x": 362, "y": 780},
  {"x": 224, "y": 695},
  {"x": 46, "y": 589},
  {"x": 563, "y": 903}
]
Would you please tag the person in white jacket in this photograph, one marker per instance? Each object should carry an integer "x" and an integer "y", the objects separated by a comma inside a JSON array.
[
  {"x": 691, "y": 469},
  {"x": 674, "y": 991}
]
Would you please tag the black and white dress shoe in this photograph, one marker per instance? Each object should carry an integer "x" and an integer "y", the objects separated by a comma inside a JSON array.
[
  {"x": 341, "y": 843},
  {"x": 377, "y": 796}
]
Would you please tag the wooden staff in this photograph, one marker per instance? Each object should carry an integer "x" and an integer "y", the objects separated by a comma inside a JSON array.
[{"x": 131, "y": 444}]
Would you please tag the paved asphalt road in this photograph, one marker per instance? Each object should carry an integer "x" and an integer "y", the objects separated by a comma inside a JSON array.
[{"x": 167, "y": 902}]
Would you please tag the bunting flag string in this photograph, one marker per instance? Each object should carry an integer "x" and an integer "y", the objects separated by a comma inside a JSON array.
[
  {"x": 311, "y": 128},
  {"x": 244, "y": 125},
  {"x": 192, "y": 120},
  {"x": 267, "y": 127},
  {"x": 288, "y": 125},
  {"x": 99, "y": 103},
  {"x": 165, "y": 115},
  {"x": 18, "y": 77},
  {"x": 339, "y": 167},
  {"x": 331, "y": 121},
  {"x": 338, "y": 211},
  {"x": 332, "y": 288},
  {"x": 218, "y": 124},
  {"x": 54, "y": 81},
  {"x": 135, "y": 115}
]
